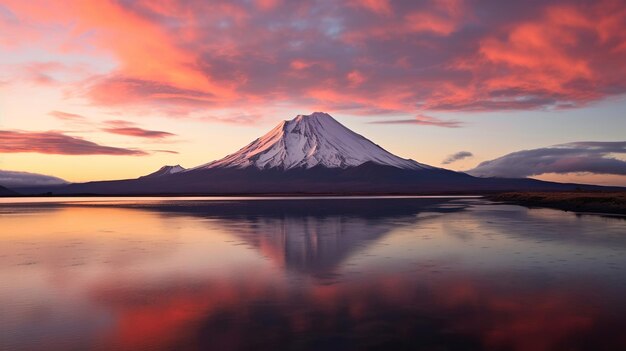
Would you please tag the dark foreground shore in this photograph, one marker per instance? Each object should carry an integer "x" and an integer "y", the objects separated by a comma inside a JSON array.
[{"x": 598, "y": 202}]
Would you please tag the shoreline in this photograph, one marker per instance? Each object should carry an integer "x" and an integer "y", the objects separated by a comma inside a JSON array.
[
  {"x": 584, "y": 202},
  {"x": 575, "y": 201}
]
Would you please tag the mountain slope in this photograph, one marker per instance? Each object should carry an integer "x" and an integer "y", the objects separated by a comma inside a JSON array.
[
  {"x": 7, "y": 192},
  {"x": 308, "y": 141},
  {"x": 165, "y": 170},
  {"x": 367, "y": 179}
]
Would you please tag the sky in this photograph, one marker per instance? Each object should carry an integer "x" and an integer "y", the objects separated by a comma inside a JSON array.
[{"x": 94, "y": 90}]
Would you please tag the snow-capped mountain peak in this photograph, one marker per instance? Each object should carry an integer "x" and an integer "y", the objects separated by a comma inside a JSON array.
[
  {"x": 308, "y": 141},
  {"x": 166, "y": 170}
]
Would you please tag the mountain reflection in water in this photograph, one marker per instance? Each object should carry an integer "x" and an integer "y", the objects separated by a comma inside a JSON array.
[{"x": 389, "y": 274}]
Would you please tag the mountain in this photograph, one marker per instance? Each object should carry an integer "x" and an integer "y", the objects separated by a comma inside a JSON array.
[
  {"x": 310, "y": 154},
  {"x": 164, "y": 171},
  {"x": 310, "y": 141},
  {"x": 7, "y": 192}
]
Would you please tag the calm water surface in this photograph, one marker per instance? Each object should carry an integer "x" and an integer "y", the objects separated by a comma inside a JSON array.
[{"x": 308, "y": 274}]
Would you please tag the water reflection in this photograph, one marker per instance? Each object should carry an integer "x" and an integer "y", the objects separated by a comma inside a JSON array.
[
  {"x": 309, "y": 236},
  {"x": 442, "y": 274}
]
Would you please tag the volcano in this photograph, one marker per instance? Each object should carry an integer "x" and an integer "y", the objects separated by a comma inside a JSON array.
[
  {"x": 310, "y": 141},
  {"x": 310, "y": 154}
]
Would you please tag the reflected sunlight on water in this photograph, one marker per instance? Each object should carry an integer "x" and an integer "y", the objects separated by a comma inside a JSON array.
[{"x": 402, "y": 273}]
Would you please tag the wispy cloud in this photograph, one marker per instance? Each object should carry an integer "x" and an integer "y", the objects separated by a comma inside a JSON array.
[
  {"x": 424, "y": 121},
  {"x": 53, "y": 142},
  {"x": 456, "y": 157},
  {"x": 585, "y": 156},
  {"x": 233, "y": 118},
  {"x": 167, "y": 151},
  {"x": 66, "y": 116},
  {"x": 129, "y": 129}
]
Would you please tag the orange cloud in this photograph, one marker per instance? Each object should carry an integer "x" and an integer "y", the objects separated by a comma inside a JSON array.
[
  {"x": 377, "y": 6},
  {"x": 549, "y": 60},
  {"x": 145, "y": 50},
  {"x": 180, "y": 57}
]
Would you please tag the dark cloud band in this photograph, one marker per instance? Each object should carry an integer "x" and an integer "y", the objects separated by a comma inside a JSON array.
[{"x": 588, "y": 156}]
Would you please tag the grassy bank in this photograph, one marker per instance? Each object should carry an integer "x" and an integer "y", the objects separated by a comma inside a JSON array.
[{"x": 599, "y": 202}]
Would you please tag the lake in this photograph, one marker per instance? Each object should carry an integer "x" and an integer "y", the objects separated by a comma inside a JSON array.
[{"x": 426, "y": 273}]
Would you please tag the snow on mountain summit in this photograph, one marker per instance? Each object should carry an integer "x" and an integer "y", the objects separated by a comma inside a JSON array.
[
  {"x": 166, "y": 170},
  {"x": 308, "y": 141}
]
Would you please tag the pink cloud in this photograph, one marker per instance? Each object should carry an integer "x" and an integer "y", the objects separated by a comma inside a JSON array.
[
  {"x": 427, "y": 22},
  {"x": 360, "y": 56},
  {"x": 355, "y": 77},
  {"x": 53, "y": 142},
  {"x": 128, "y": 128},
  {"x": 66, "y": 116},
  {"x": 376, "y": 6},
  {"x": 138, "y": 132},
  {"x": 267, "y": 4},
  {"x": 425, "y": 121}
]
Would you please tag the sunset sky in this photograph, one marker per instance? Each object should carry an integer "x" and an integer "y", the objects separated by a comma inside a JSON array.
[{"x": 94, "y": 90}]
